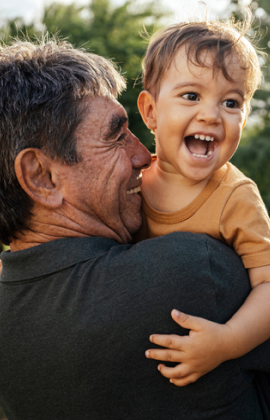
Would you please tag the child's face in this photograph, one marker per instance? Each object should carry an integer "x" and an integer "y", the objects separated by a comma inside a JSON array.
[{"x": 198, "y": 117}]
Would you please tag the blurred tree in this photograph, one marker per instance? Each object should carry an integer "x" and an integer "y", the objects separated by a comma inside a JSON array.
[
  {"x": 253, "y": 154},
  {"x": 17, "y": 28}
]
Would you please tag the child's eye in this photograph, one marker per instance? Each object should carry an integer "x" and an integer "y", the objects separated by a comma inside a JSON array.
[
  {"x": 191, "y": 96},
  {"x": 230, "y": 103}
]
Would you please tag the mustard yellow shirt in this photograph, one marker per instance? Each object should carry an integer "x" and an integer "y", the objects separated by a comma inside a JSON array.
[{"x": 229, "y": 209}]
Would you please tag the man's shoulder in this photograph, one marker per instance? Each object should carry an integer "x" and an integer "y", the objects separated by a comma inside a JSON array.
[
  {"x": 181, "y": 244},
  {"x": 196, "y": 254},
  {"x": 179, "y": 247}
]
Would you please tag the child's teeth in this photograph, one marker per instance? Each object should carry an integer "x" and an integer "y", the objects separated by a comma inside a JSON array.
[
  {"x": 203, "y": 156},
  {"x": 200, "y": 156},
  {"x": 203, "y": 137}
]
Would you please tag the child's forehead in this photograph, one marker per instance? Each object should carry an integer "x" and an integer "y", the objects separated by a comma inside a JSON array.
[
  {"x": 206, "y": 58},
  {"x": 189, "y": 64}
]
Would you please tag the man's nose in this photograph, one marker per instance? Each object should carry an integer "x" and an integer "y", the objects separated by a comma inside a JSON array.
[
  {"x": 140, "y": 156},
  {"x": 209, "y": 113}
]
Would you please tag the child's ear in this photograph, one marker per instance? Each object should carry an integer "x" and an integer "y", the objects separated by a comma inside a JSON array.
[{"x": 147, "y": 106}]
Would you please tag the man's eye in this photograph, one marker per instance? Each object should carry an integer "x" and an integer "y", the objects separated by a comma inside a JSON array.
[
  {"x": 230, "y": 103},
  {"x": 191, "y": 96},
  {"x": 122, "y": 137}
]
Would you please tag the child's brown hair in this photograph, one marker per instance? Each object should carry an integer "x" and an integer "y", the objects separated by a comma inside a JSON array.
[{"x": 223, "y": 38}]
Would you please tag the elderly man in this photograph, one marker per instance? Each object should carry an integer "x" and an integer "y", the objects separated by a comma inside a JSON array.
[{"x": 77, "y": 301}]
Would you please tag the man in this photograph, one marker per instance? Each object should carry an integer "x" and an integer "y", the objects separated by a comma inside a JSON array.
[{"x": 77, "y": 301}]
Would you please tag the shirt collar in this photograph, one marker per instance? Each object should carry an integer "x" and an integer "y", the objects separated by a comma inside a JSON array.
[{"x": 50, "y": 257}]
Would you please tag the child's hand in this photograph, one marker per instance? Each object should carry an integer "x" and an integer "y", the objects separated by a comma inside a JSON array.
[{"x": 206, "y": 346}]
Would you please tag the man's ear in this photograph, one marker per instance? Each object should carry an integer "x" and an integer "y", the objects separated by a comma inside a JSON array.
[
  {"x": 36, "y": 175},
  {"x": 147, "y": 108}
]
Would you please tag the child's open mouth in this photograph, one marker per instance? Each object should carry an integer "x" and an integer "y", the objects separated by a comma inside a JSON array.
[{"x": 200, "y": 145}]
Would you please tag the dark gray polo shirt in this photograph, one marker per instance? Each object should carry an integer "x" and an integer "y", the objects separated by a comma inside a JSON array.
[{"x": 75, "y": 317}]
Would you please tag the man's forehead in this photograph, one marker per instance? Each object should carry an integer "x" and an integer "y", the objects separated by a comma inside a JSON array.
[
  {"x": 101, "y": 110},
  {"x": 109, "y": 109}
]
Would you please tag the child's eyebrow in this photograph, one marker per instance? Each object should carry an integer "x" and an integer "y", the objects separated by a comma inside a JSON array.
[
  {"x": 239, "y": 93},
  {"x": 184, "y": 84}
]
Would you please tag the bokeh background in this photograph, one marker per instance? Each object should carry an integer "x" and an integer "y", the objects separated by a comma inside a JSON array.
[{"x": 119, "y": 29}]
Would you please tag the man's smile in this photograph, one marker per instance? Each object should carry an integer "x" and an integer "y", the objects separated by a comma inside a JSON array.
[{"x": 134, "y": 190}]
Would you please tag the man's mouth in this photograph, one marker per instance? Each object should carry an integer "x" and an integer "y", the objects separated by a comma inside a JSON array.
[
  {"x": 134, "y": 190},
  {"x": 200, "y": 145}
]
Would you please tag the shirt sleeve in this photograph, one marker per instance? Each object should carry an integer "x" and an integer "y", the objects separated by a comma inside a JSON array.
[{"x": 245, "y": 225}]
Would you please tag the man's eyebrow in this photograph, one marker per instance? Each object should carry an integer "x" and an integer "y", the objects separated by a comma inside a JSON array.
[{"x": 115, "y": 125}]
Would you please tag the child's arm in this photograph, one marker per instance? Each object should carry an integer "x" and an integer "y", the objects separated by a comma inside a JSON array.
[{"x": 208, "y": 343}]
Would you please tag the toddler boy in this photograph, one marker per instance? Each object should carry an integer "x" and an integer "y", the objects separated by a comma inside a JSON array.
[{"x": 199, "y": 79}]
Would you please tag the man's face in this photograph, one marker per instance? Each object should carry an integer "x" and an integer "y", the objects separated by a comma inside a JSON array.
[
  {"x": 199, "y": 116},
  {"x": 103, "y": 187}
]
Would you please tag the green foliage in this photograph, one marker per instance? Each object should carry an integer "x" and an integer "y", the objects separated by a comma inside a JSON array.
[
  {"x": 253, "y": 154},
  {"x": 17, "y": 28}
]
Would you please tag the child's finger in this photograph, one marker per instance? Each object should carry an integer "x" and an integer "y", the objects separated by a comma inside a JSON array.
[
  {"x": 165, "y": 355},
  {"x": 169, "y": 341},
  {"x": 178, "y": 372},
  {"x": 187, "y": 380}
]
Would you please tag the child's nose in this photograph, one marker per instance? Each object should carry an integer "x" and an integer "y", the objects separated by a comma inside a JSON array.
[{"x": 210, "y": 114}]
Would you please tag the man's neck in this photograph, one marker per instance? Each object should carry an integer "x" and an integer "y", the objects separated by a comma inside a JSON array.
[{"x": 48, "y": 226}]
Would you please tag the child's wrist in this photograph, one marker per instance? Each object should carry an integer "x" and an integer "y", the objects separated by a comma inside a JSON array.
[{"x": 233, "y": 348}]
